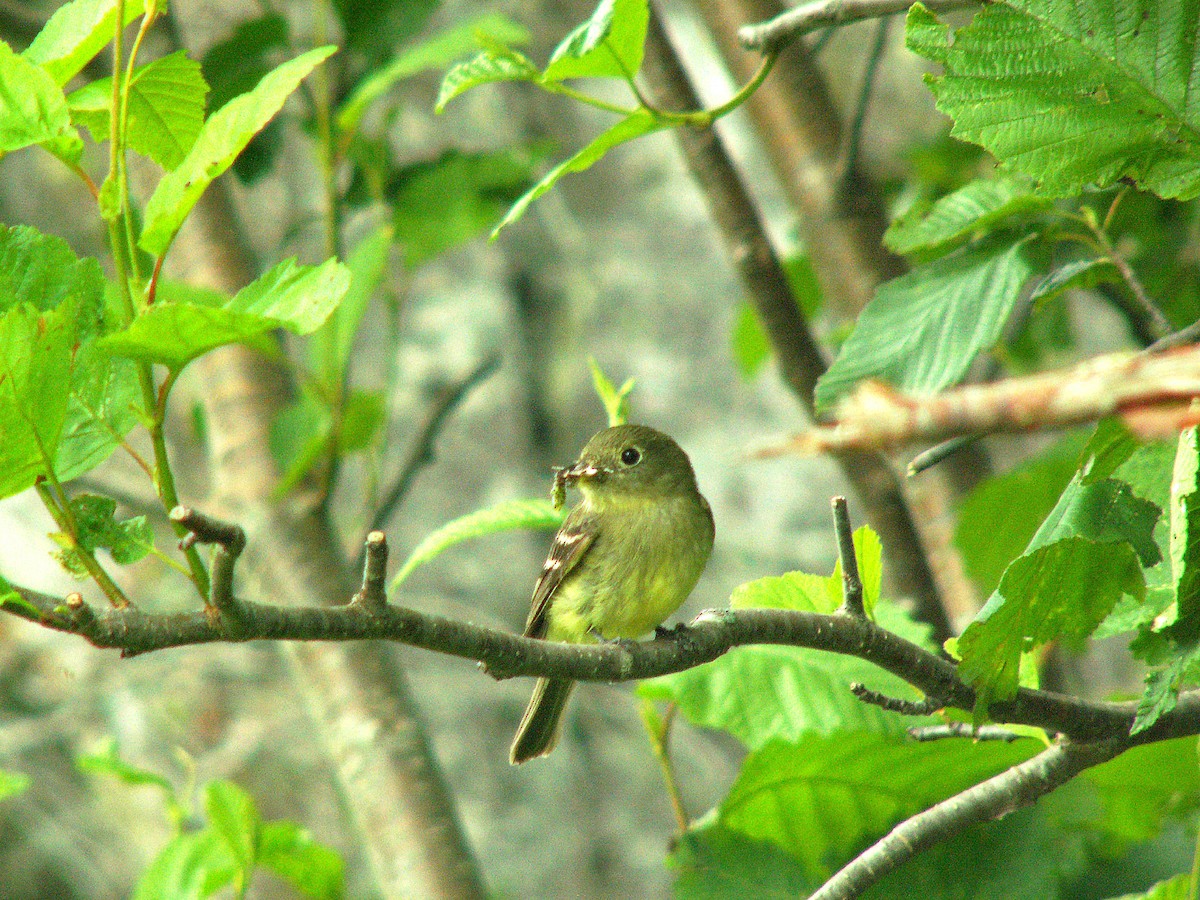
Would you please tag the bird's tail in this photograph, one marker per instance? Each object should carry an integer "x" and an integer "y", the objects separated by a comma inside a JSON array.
[{"x": 539, "y": 729}]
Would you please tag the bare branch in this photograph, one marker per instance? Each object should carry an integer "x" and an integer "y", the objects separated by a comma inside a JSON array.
[
  {"x": 785, "y": 28},
  {"x": 852, "y": 586},
  {"x": 1151, "y": 393},
  {"x": 925, "y": 707},
  {"x": 373, "y": 593},
  {"x": 1012, "y": 789},
  {"x": 505, "y": 655},
  {"x": 962, "y": 729}
]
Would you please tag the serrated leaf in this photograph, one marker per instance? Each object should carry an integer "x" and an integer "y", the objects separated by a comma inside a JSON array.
[
  {"x": 505, "y": 516},
  {"x": 615, "y": 400},
  {"x": 1110, "y": 445},
  {"x": 819, "y": 798},
  {"x": 1081, "y": 274},
  {"x": 435, "y": 53},
  {"x": 973, "y": 209},
  {"x": 75, "y": 35},
  {"x": 222, "y": 138},
  {"x": 298, "y": 298},
  {"x": 12, "y": 783},
  {"x": 634, "y": 126},
  {"x": 1074, "y": 94},
  {"x": 1163, "y": 685},
  {"x": 488, "y": 67},
  {"x": 166, "y": 108},
  {"x": 33, "y": 109},
  {"x": 128, "y": 540},
  {"x": 922, "y": 331},
  {"x": 987, "y": 550},
  {"x": 441, "y": 204},
  {"x": 1184, "y": 540},
  {"x": 1061, "y": 590},
  {"x": 608, "y": 45},
  {"x": 291, "y": 853}
]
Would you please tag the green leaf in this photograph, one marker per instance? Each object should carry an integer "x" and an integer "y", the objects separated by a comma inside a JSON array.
[
  {"x": 1163, "y": 685},
  {"x": 488, "y": 67},
  {"x": 436, "y": 53},
  {"x": 12, "y": 783},
  {"x": 1035, "y": 486},
  {"x": 33, "y": 110},
  {"x": 1097, "y": 93},
  {"x": 748, "y": 342},
  {"x": 1177, "y": 888},
  {"x": 75, "y": 35},
  {"x": 166, "y": 108},
  {"x": 973, "y": 209},
  {"x": 607, "y": 45},
  {"x": 374, "y": 28},
  {"x": 505, "y": 516},
  {"x": 1143, "y": 788},
  {"x": 235, "y": 65},
  {"x": 1062, "y": 590},
  {"x": 922, "y": 331},
  {"x": 714, "y": 863},
  {"x": 233, "y": 816},
  {"x": 291, "y": 853},
  {"x": 441, "y": 204},
  {"x": 764, "y": 693},
  {"x": 298, "y": 298},
  {"x": 128, "y": 540},
  {"x": 1082, "y": 274},
  {"x": 1108, "y": 448},
  {"x": 192, "y": 866},
  {"x": 629, "y": 128},
  {"x": 820, "y": 798},
  {"x": 105, "y": 760},
  {"x": 1184, "y": 541},
  {"x": 222, "y": 138},
  {"x": 615, "y": 400}
]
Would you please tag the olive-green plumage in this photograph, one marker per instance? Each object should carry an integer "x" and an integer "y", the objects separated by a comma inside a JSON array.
[{"x": 624, "y": 559}]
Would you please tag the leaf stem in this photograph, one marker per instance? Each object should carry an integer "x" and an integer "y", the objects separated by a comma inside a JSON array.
[
  {"x": 659, "y": 732},
  {"x": 59, "y": 507}
]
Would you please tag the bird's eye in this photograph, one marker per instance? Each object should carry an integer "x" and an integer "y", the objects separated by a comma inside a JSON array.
[{"x": 631, "y": 456}]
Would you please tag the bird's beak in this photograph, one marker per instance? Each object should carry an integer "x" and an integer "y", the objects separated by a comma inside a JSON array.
[{"x": 580, "y": 471}]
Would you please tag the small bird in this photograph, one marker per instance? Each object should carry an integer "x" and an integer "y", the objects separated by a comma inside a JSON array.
[{"x": 624, "y": 559}]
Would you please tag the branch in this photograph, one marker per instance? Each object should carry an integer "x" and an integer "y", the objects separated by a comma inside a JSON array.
[
  {"x": 1151, "y": 393},
  {"x": 785, "y": 28},
  {"x": 1007, "y": 792},
  {"x": 504, "y": 655}
]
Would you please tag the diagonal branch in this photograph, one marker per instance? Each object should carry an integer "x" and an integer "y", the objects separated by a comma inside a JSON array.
[
  {"x": 786, "y": 27},
  {"x": 1007, "y": 792}
]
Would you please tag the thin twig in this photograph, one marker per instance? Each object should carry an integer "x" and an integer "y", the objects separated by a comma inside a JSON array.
[
  {"x": 927, "y": 459},
  {"x": 1012, "y": 789},
  {"x": 849, "y": 174},
  {"x": 852, "y": 586},
  {"x": 785, "y": 28},
  {"x": 373, "y": 593},
  {"x": 421, "y": 454},
  {"x": 230, "y": 541},
  {"x": 925, "y": 707},
  {"x": 1180, "y": 338},
  {"x": 659, "y": 731},
  {"x": 927, "y": 733}
]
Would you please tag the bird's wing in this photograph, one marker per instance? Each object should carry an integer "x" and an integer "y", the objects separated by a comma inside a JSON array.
[{"x": 571, "y": 543}]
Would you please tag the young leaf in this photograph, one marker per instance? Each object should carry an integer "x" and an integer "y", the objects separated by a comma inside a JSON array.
[
  {"x": 616, "y": 401},
  {"x": 435, "y": 53},
  {"x": 748, "y": 342},
  {"x": 713, "y": 862},
  {"x": 441, "y": 204},
  {"x": 607, "y": 45},
  {"x": 1081, "y": 274},
  {"x": 969, "y": 211},
  {"x": 128, "y": 540},
  {"x": 105, "y": 760},
  {"x": 488, "y": 67},
  {"x": 819, "y": 798},
  {"x": 291, "y": 853},
  {"x": 1091, "y": 98},
  {"x": 222, "y": 138},
  {"x": 629, "y": 128},
  {"x": 922, "y": 331},
  {"x": 33, "y": 109},
  {"x": 332, "y": 343},
  {"x": 298, "y": 298},
  {"x": 75, "y": 35},
  {"x": 505, "y": 516},
  {"x": 166, "y": 108},
  {"x": 193, "y": 864},
  {"x": 1184, "y": 539},
  {"x": 233, "y": 816}
]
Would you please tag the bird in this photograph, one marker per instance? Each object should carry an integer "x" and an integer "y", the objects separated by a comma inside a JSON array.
[{"x": 625, "y": 558}]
